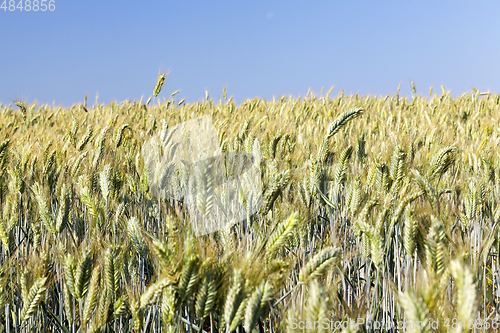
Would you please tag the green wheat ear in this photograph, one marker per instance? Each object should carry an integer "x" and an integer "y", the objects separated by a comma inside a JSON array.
[
  {"x": 465, "y": 290},
  {"x": 207, "y": 294},
  {"x": 92, "y": 295},
  {"x": 256, "y": 305},
  {"x": 23, "y": 109},
  {"x": 86, "y": 138},
  {"x": 159, "y": 83},
  {"x": 82, "y": 275},
  {"x": 3, "y": 152},
  {"x": 235, "y": 297},
  {"x": 43, "y": 208},
  {"x": 134, "y": 230},
  {"x": 342, "y": 120},
  {"x": 318, "y": 264},
  {"x": 283, "y": 232},
  {"x": 336, "y": 125},
  {"x": 34, "y": 298},
  {"x": 442, "y": 161}
]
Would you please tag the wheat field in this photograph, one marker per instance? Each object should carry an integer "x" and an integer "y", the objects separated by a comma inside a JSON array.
[{"x": 373, "y": 210}]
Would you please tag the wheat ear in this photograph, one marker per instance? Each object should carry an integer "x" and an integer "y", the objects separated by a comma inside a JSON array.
[
  {"x": 318, "y": 264},
  {"x": 282, "y": 233},
  {"x": 35, "y": 297}
]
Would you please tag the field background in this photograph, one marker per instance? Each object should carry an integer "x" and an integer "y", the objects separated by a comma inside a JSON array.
[{"x": 381, "y": 208}]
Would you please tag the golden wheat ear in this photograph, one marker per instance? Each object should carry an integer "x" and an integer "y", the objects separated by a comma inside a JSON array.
[
  {"x": 84, "y": 106},
  {"x": 162, "y": 76}
]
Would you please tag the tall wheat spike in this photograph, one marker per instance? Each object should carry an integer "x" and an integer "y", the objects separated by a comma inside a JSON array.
[
  {"x": 256, "y": 305},
  {"x": 86, "y": 138},
  {"x": 234, "y": 298},
  {"x": 92, "y": 295},
  {"x": 34, "y": 298},
  {"x": 206, "y": 297},
  {"x": 134, "y": 231},
  {"x": 189, "y": 277},
  {"x": 159, "y": 83},
  {"x": 43, "y": 209},
  {"x": 82, "y": 275},
  {"x": 282, "y": 233},
  {"x": 4, "y": 145},
  {"x": 63, "y": 210},
  {"x": 340, "y": 170}
]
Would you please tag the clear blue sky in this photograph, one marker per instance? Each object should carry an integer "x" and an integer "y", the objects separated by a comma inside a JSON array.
[{"x": 255, "y": 48}]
